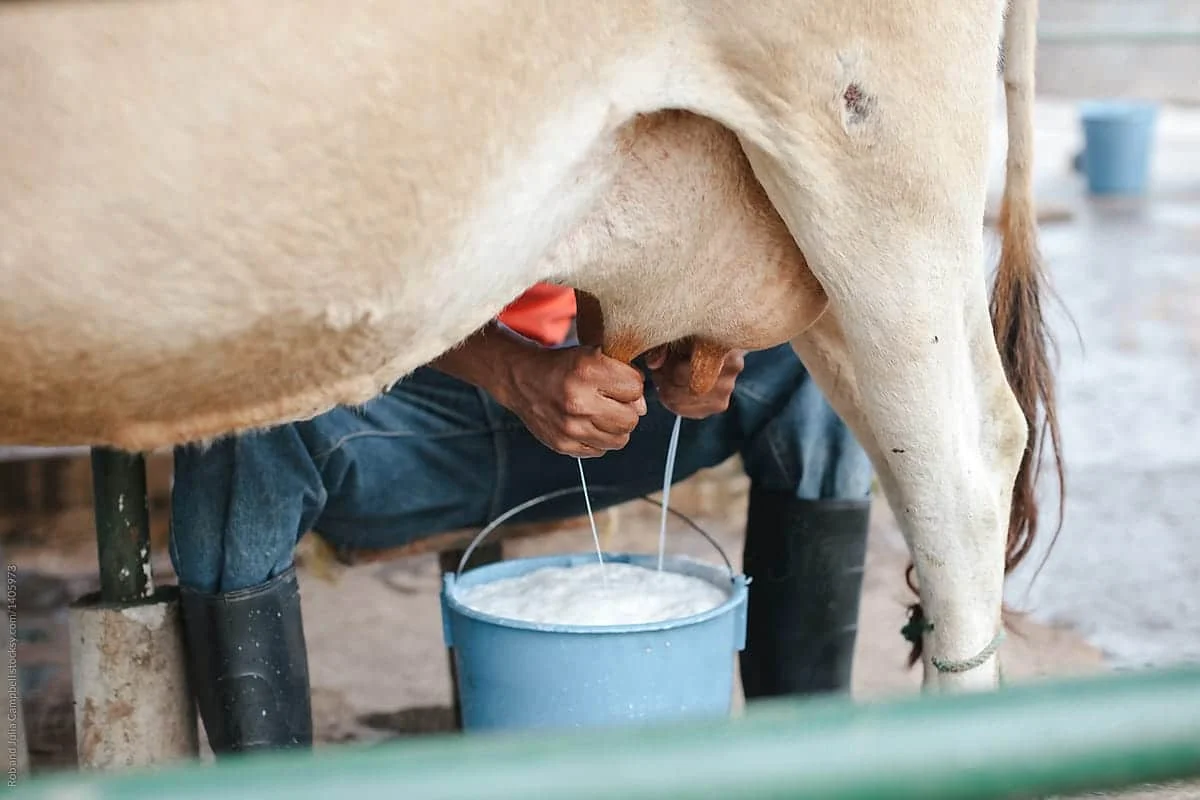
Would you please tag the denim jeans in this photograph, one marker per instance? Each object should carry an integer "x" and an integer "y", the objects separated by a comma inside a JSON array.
[{"x": 435, "y": 454}]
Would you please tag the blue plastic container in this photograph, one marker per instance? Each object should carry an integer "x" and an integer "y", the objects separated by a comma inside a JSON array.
[
  {"x": 516, "y": 675},
  {"x": 1118, "y": 143}
]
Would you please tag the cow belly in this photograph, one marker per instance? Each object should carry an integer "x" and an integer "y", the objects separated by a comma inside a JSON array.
[{"x": 138, "y": 356}]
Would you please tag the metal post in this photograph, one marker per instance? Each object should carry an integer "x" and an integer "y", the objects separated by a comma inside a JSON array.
[
  {"x": 132, "y": 703},
  {"x": 122, "y": 525},
  {"x": 1050, "y": 738}
]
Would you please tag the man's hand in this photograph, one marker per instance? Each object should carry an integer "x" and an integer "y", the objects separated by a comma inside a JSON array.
[
  {"x": 575, "y": 401},
  {"x": 671, "y": 372}
]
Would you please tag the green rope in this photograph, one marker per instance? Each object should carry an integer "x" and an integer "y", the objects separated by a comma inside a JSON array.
[
  {"x": 969, "y": 664},
  {"x": 916, "y": 628}
]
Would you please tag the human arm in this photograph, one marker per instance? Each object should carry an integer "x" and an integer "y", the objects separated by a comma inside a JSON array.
[
  {"x": 671, "y": 371},
  {"x": 574, "y": 400}
]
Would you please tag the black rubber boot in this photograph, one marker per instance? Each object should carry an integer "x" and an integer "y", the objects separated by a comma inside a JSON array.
[
  {"x": 805, "y": 560},
  {"x": 248, "y": 667}
]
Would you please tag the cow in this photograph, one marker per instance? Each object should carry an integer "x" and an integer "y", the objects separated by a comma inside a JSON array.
[{"x": 217, "y": 215}]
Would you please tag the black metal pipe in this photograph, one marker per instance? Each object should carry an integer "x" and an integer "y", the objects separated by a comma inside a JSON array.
[{"x": 122, "y": 513}]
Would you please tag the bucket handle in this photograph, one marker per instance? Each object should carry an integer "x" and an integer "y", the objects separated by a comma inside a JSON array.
[{"x": 500, "y": 520}]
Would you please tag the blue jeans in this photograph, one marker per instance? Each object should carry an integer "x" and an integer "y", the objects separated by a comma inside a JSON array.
[{"x": 436, "y": 454}]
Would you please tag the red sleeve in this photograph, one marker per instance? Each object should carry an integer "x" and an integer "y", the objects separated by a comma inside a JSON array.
[{"x": 543, "y": 313}]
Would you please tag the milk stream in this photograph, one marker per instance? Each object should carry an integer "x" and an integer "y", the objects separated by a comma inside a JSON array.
[
  {"x": 591, "y": 518},
  {"x": 668, "y": 473},
  {"x": 600, "y": 594}
]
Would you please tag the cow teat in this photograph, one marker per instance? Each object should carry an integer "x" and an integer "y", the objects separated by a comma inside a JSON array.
[{"x": 707, "y": 358}]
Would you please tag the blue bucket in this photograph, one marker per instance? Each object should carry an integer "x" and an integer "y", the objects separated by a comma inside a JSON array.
[
  {"x": 517, "y": 675},
  {"x": 1118, "y": 142}
]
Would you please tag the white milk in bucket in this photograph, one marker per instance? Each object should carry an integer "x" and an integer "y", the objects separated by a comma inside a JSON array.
[
  {"x": 595, "y": 594},
  {"x": 600, "y": 594}
]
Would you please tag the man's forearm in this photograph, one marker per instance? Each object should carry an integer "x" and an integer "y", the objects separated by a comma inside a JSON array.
[{"x": 485, "y": 359}]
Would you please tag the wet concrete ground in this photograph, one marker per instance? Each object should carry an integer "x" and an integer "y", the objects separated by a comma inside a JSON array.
[{"x": 1125, "y": 572}]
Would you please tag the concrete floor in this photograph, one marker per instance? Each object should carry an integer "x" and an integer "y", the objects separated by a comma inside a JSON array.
[{"x": 1125, "y": 569}]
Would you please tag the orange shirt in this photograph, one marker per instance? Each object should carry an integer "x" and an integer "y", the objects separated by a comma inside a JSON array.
[{"x": 543, "y": 313}]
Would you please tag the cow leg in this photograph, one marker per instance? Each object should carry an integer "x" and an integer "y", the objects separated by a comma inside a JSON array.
[{"x": 920, "y": 383}]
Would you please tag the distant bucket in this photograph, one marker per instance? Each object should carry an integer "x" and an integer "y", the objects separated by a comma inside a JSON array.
[
  {"x": 517, "y": 675},
  {"x": 1118, "y": 145}
]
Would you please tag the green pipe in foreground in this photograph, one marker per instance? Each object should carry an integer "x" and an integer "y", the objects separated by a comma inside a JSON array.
[
  {"x": 1089, "y": 734},
  {"x": 1084, "y": 35}
]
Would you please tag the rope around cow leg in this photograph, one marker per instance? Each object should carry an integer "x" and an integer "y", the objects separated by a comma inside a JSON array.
[
  {"x": 918, "y": 626},
  {"x": 944, "y": 665}
]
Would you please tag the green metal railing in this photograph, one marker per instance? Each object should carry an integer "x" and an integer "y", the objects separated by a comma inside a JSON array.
[
  {"x": 1075, "y": 35},
  {"x": 1030, "y": 740}
]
